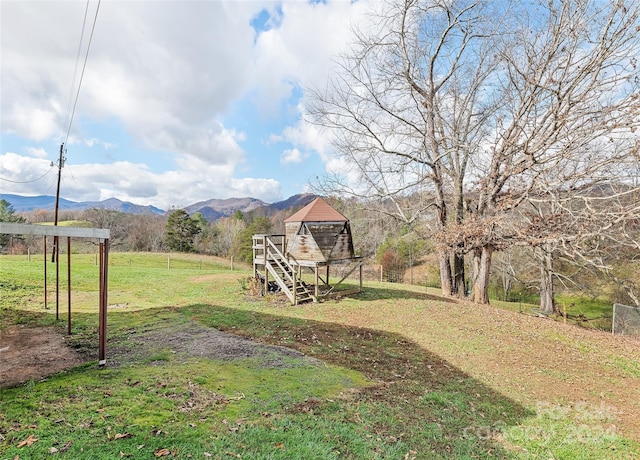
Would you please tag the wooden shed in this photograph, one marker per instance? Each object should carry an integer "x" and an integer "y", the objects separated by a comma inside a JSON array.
[
  {"x": 315, "y": 237},
  {"x": 318, "y": 233}
]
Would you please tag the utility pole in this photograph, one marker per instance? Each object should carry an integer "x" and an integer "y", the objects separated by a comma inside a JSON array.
[{"x": 55, "y": 212}]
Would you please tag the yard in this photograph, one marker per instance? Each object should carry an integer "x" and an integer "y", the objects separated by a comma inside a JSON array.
[{"x": 197, "y": 368}]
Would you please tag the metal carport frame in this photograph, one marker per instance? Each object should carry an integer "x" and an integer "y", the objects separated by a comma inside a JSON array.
[{"x": 75, "y": 232}]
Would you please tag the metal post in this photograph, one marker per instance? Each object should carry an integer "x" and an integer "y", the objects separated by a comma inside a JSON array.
[
  {"x": 56, "y": 251},
  {"x": 361, "y": 276},
  {"x": 69, "y": 285},
  {"x": 317, "y": 293},
  {"x": 44, "y": 251},
  {"x": 101, "y": 305},
  {"x": 102, "y": 327}
]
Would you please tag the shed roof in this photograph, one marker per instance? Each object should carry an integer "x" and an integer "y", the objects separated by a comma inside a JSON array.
[{"x": 317, "y": 211}]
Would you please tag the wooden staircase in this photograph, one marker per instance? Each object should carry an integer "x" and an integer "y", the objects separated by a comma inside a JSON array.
[{"x": 283, "y": 273}]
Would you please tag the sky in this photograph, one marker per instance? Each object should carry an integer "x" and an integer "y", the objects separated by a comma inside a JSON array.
[{"x": 178, "y": 102}]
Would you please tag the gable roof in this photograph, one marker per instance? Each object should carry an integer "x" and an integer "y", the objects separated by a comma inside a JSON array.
[{"x": 317, "y": 211}]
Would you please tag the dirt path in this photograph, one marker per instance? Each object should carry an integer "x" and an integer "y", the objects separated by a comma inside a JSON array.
[{"x": 28, "y": 353}]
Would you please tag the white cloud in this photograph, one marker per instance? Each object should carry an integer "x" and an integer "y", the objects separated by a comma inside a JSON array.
[
  {"x": 37, "y": 152},
  {"x": 167, "y": 73},
  {"x": 18, "y": 173},
  {"x": 308, "y": 137},
  {"x": 265, "y": 189},
  {"x": 158, "y": 67},
  {"x": 197, "y": 180},
  {"x": 292, "y": 156},
  {"x": 302, "y": 49}
]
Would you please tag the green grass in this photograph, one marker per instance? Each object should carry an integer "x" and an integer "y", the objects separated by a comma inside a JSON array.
[
  {"x": 71, "y": 223},
  {"x": 585, "y": 312},
  {"x": 376, "y": 393},
  {"x": 142, "y": 280},
  {"x": 185, "y": 408}
]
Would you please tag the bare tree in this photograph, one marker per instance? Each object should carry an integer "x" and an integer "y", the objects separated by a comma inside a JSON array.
[
  {"x": 407, "y": 111},
  {"x": 568, "y": 84},
  {"x": 596, "y": 228},
  {"x": 145, "y": 232},
  {"x": 116, "y": 221},
  {"x": 227, "y": 230},
  {"x": 472, "y": 108}
]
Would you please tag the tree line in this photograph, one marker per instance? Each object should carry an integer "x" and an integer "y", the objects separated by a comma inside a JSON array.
[{"x": 390, "y": 247}]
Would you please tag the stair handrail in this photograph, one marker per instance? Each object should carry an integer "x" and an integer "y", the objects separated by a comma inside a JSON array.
[
  {"x": 274, "y": 256},
  {"x": 280, "y": 260}
]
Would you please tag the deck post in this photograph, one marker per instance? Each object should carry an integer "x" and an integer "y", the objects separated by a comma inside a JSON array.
[
  {"x": 295, "y": 288},
  {"x": 265, "y": 288}
]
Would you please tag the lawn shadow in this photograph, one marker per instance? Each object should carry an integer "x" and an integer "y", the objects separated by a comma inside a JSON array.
[
  {"x": 416, "y": 395},
  {"x": 370, "y": 293}
]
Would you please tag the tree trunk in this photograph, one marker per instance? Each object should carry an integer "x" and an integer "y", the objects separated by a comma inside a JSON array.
[
  {"x": 481, "y": 270},
  {"x": 458, "y": 275},
  {"x": 445, "y": 273},
  {"x": 458, "y": 256},
  {"x": 547, "y": 301}
]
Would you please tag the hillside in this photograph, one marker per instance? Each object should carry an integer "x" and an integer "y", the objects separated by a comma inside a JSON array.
[
  {"x": 215, "y": 208},
  {"x": 47, "y": 203}
]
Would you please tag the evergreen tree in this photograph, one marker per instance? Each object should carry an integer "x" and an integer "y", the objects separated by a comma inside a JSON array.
[
  {"x": 8, "y": 214},
  {"x": 181, "y": 231}
]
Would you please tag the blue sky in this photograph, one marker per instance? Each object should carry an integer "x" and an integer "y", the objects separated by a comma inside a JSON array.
[{"x": 180, "y": 101}]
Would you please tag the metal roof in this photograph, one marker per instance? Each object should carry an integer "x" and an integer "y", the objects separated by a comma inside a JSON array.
[{"x": 317, "y": 211}]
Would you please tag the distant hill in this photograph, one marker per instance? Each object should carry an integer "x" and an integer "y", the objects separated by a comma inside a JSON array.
[
  {"x": 212, "y": 210},
  {"x": 215, "y": 208},
  {"x": 30, "y": 203},
  {"x": 296, "y": 201}
]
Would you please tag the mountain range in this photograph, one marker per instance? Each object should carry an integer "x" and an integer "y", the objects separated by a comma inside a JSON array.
[{"x": 211, "y": 209}]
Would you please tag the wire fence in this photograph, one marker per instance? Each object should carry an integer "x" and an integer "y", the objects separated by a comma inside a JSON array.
[
  {"x": 626, "y": 320},
  {"x": 374, "y": 272}
]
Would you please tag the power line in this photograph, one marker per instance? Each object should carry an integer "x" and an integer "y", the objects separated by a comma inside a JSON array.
[
  {"x": 75, "y": 70},
  {"x": 86, "y": 56},
  {"x": 28, "y": 181}
]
